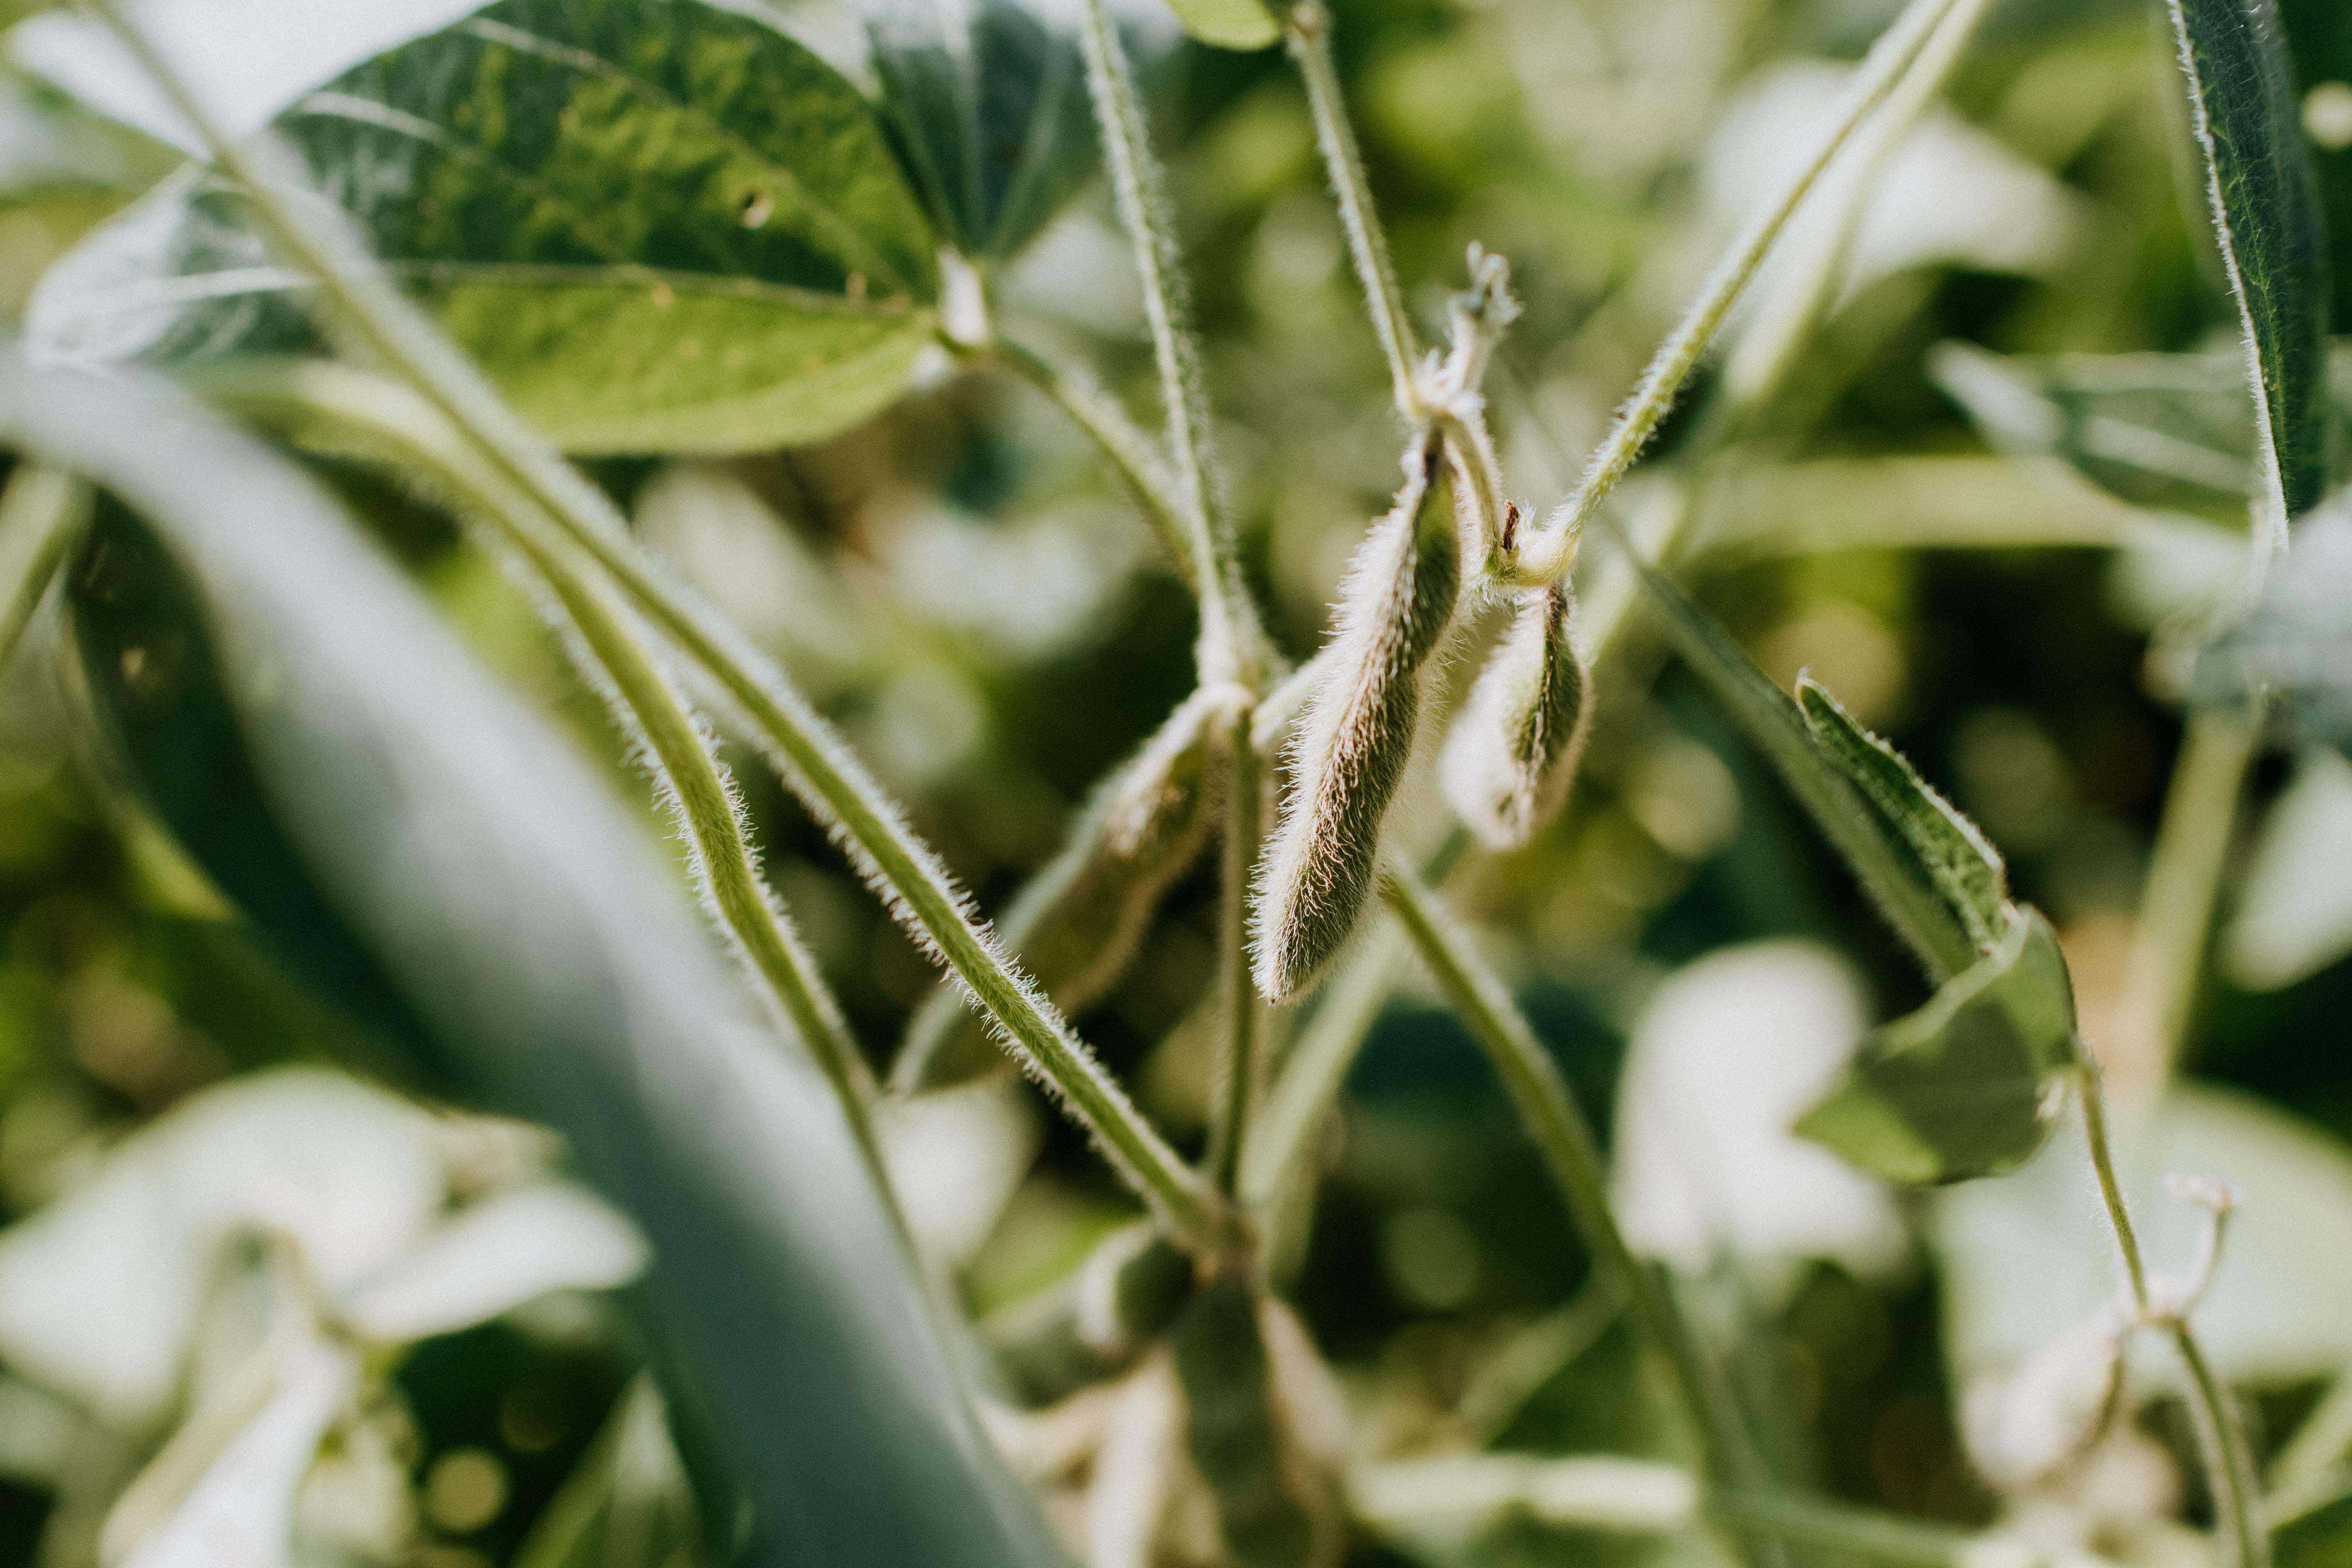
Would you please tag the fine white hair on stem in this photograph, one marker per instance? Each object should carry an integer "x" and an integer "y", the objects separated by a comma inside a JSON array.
[
  {"x": 1507, "y": 763},
  {"x": 1356, "y": 736}
]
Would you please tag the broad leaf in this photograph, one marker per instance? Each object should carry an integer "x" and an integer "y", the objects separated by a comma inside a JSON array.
[
  {"x": 270, "y": 680},
  {"x": 1942, "y": 848},
  {"x": 50, "y": 146},
  {"x": 2297, "y": 640},
  {"x": 2265, "y": 204},
  {"x": 2170, "y": 431},
  {"x": 1960, "y": 1087},
  {"x": 657, "y": 227},
  {"x": 2295, "y": 908},
  {"x": 1228, "y": 23},
  {"x": 989, "y": 99}
]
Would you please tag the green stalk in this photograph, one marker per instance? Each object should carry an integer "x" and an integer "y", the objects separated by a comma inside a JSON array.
[
  {"x": 1241, "y": 1013},
  {"x": 2221, "y": 1435},
  {"x": 41, "y": 511},
  {"x": 352, "y": 407},
  {"x": 1573, "y": 1156},
  {"x": 1308, "y": 33}
]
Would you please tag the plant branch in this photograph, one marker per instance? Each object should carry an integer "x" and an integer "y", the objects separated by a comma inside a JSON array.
[
  {"x": 1308, "y": 33},
  {"x": 1573, "y": 1156},
  {"x": 1230, "y": 637},
  {"x": 348, "y": 407},
  {"x": 1238, "y": 1068},
  {"x": 41, "y": 513}
]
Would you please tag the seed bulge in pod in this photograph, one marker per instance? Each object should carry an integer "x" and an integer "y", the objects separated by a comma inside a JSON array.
[
  {"x": 1513, "y": 752},
  {"x": 1356, "y": 735}
]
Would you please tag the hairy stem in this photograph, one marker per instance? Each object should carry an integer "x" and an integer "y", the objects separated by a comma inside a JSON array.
[
  {"x": 350, "y": 407},
  {"x": 1308, "y": 34},
  {"x": 1670, "y": 370},
  {"x": 1238, "y": 1068},
  {"x": 2176, "y": 906},
  {"x": 2221, "y": 1435},
  {"x": 1125, "y": 448},
  {"x": 40, "y": 512},
  {"x": 1573, "y": 1156},
  {"x": 1229, "y": 631}
]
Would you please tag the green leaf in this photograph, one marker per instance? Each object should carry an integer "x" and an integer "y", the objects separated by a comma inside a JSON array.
[
  {"x": 52, "y": 147},
  {"x": 1228, "y": 23},
  {"x": 1271, "y": 1508},
  {"x": 1944, "y": 849},
  {"x": 269, "y": 681},
  {"x": 1959, "y": 1088},
  {"x": 2297, "y": 640},
  {"x": 2265, "y": 201},
  {"x": 656, "y": 227},
  {"x": 1892, "y": 875},
  {"x": 990, "y": 103},
  {"x": 627, "y": 1503}
]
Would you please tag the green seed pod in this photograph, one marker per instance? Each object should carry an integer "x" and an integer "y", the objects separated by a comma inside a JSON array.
[
  {"x": 1356, "y": 736},
  {"x": 1094, "y": 1324},
  {"x": 1079, "y": 920},
  {"x": 1508, "y": 764}
]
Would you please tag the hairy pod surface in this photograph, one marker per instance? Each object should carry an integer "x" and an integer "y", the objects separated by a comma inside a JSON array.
[
  {"x": 1079, "y": 920},
  {"x": 1506, "y": 766},
  {"x": 1356, "y": 735}
]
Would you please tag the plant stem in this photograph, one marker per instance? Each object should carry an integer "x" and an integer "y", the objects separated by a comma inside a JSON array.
[
  {"x": 1573, "y": 1156},
  {"x": 1229, "y": 632},
  {"x": 1125, "y": 448},
  {"x": 1238, "y": 1068},
  {"x": 2176, "y": 906},
  {"x": 1308, "y": 34},
  {"x": 1888, "y": 60},
  {"x": 348, "y": 406},
  {"x": 2220, "y": 1435},
  {"x": 41, "y": 513},
  {"x": 1881, "y": 1537}
]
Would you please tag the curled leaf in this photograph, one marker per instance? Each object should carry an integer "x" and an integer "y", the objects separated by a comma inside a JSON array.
[
  {"x": 1960, "y": 1087},
  {"x": 1513, "y": 753},
  {"x": 1077, "y": 922},
  {"x": 1356, "y": 733}
]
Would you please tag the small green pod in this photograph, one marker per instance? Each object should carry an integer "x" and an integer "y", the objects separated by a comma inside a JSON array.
[
  {"x": 1356, "y": 735},
  {"x": 1508, "y": 764},
  {"x": 1077, "y": 922}
]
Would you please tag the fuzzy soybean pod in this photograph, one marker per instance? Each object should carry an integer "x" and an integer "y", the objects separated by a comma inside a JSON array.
[
  {"x": 1357, "y": 732},
  {"x": 1079, "y": 922},
  {"x": 1508, "y": 762}
]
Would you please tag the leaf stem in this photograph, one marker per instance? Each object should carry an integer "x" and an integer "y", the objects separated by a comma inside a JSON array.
[
  {"x": 2221, "y": 1435},
  {"x": 380, "y": 417},
  {"x": 1230, "y": 637},
  {"x": 1241, "y": 1013},
  {"x": 1307, "y": 32},
  {"x": 41, "y": 513},
  {"x": 1661, "y": 384},
  {"x": 1573, "y": 1156}
]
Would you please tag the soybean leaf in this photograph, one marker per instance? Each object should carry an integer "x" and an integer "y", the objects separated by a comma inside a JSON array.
[
  {"x": 267, "y": 680},
  {"x": 2297, "y": 640},
  {"x": 2265, "y": 201},
  {"x": 989, "y": 99},
  {"x": 625, "y": 1504},
  {"x": 657, "y": 227},
  {"x": 1959, "y": 1088},
  {"x": 1228, "y": 23},
  {"x": 1941, "y": 847},
  {"x": 2168, "y": 431},
  {"x": 1911, "y": 904},
  {"x": 52, "y": 147}
]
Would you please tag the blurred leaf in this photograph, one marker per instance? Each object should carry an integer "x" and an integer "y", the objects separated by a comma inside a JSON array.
[
  {"x": 1940, "y": 846},
  {"x": 2167, "y": 431},
  {"x": 51, "y": 146},
  {"x": 2266, "y": 212},
  {"x": 2029, "y": 1258},
  {"x": 625, "y": 1504},
  {"x": 2294, "y": 909},
  {"x": 1094, "y": 1323},
  {"x": 1228, "y": 23},
  {"x": 1959, "y": 1088},
  {"x": 493, "y": 1257},
  {"x": 659, "y": 227},
  {"x": 554, "y": 967},
  {"x": 1238, "y": 1432},
  {"x": 990, "y": 101},
  {"x": 239, "y": 1514},
  {"x": 2297, "y": 640}
]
